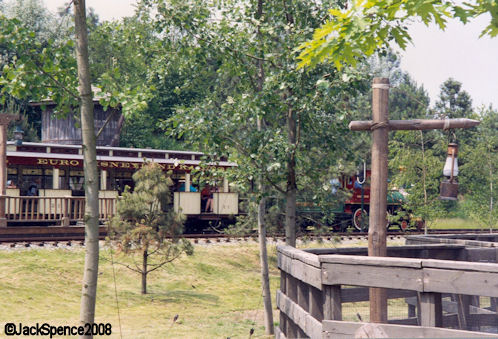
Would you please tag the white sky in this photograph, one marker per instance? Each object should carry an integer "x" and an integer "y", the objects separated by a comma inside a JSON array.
[
  {"x": 433, "y": 57},
  {"x": 457, "y": 52}
]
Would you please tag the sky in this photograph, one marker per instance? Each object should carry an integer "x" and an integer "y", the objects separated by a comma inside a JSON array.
[{"x": 433, "y": 57}]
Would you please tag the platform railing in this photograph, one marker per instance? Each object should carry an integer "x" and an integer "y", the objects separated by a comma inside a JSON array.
[
  {"x": 439, "y": 295},
  {"x": 54, "y": 209}
]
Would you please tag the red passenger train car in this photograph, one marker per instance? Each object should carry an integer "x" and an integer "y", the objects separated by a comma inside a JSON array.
[{"x": 45, "y": 182}]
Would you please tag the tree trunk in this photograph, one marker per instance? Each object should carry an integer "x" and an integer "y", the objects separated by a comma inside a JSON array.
[
  {"x": 90, "y": 274},
  {"x": 144, "y": 271},
  {"x": 265, "y": 277},
  {"x": 290, "y": 196},
  {"x": 263, "y": 254}
]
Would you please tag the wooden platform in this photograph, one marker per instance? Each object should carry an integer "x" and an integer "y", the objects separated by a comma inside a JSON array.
[{"x": 442, "y": 296}]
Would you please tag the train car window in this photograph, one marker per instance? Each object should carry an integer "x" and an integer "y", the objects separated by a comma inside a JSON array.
[
  {"x": 121, "y": 180},
  {"x": 12, "y": 178},
  {"x": 63, "y": 180},
  {"x": 47, "y": 180},
  {"x": 76, "y": 183}
]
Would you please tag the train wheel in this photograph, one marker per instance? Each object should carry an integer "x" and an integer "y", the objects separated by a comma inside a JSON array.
[
  {"x": 360, "y": 220},
  {"x": 403, "y": 225}
]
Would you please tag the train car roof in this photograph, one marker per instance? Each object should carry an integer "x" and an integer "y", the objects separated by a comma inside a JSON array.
[
  {"x": 131, "y": 149},
  {"x": 171, "y": 157}
]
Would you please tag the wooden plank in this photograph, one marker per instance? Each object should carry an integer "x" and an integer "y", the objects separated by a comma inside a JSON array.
[
  {"x": 283, "y": 280},
  {"x": 303, "y": 295},
  {"x": 287, "y": 250},
  {"x": 304, "y": 272},
  {"x": 460, "y": 265},
  {"x": 297, "y": 315},
  {"x": 463, "y": 312},
  {"x": 347, "y": 329},
  {"x": 300, "y": 270},
  {"x": 461, "y": 282},
  {"x": 373, "y": 276},
  {"x": 315, "y": 303},
  {"x": 332, "y": 305},
  {"x": 307, "y": 258},
  {"x": 285, "y": 263},
  {"x": 371, "y": 261},
  {"x": 291, "y": 284},
  {"x": 431, "y": 310}
]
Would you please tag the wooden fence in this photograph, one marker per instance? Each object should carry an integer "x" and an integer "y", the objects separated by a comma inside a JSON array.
[
  {"x": 63, "y": 210},
  {"x": 437, "y": 294}
]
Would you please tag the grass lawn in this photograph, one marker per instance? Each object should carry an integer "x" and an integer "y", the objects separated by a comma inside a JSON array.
[
  {"x": 216, "y": 292},
  {"x": 454, "y": 223}
]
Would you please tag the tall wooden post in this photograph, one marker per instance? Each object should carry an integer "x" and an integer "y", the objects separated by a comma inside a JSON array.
[
  {"x": 5, "y": 119},
  {"x": 380, "y": 126},
  {"x": 378, "y": 191}
]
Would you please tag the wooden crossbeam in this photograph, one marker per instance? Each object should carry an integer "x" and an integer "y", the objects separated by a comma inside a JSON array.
[
  {"x": 417, "y": 124},
  {"x": 380, "y": 126}
]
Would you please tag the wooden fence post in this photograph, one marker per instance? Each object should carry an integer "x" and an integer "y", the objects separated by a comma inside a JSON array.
[
  {"x": 303, "y": 295},
  {"x": 332, "y": 304},
  {"x": 291, "y": 286},
  {"x": 283, "y": 289},
  {"x": 65, "y": 208},
  {"x": 315, "y": 303},
  {"x": 431, "y": 310}
]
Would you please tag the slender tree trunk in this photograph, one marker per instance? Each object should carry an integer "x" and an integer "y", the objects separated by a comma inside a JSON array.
[
  {"x": 263, "y": 254},
  {"x": 89, "y": 290},
  {"x": 424, "y": 172},
  {"x": 145, "y": 255},
  {"x": 292, "y": 139},
  {"x": 265, "y": 277},
  {"x": 424, "y": 176},
  {"x": 290, "y": 196}
]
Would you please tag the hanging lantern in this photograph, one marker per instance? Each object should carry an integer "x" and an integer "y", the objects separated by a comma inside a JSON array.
[
  {"x": 18, "y": 135},
  {"x": 449, "y": 187}
]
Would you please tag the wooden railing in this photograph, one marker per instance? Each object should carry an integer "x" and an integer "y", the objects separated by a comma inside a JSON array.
[
  {"x": 54, "y": 209},
  {"x": 314, "y": 288}
]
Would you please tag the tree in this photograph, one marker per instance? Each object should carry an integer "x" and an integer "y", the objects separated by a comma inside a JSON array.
[
  {"x": 254, "y": 107},
  {"x": 353, "y": 33},
  {"x": 479, "y": 171},
  {"x": 453, "y": 101},
  {"x": 90, "y": 273},
  {"x": 38, "y": 69},
  {"x": 146, "y": 224}
]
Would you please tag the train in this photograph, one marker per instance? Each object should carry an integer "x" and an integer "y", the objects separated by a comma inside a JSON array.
[
  {"x": 45, "y": 182},
  {"x": 351, "y": 212},
  {"x": 45, "y": 187}
]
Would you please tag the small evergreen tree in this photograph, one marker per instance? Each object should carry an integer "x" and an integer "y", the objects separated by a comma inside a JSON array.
[{"x": 146, "y": 225}]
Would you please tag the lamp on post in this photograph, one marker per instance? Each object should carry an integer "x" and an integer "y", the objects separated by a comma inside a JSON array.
[
  {"x": 449, "y": 187},
  {"x": 18, "y": 135}
]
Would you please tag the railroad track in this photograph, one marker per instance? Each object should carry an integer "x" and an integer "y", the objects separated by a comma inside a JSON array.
[{"x": 55, "y": 234}]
